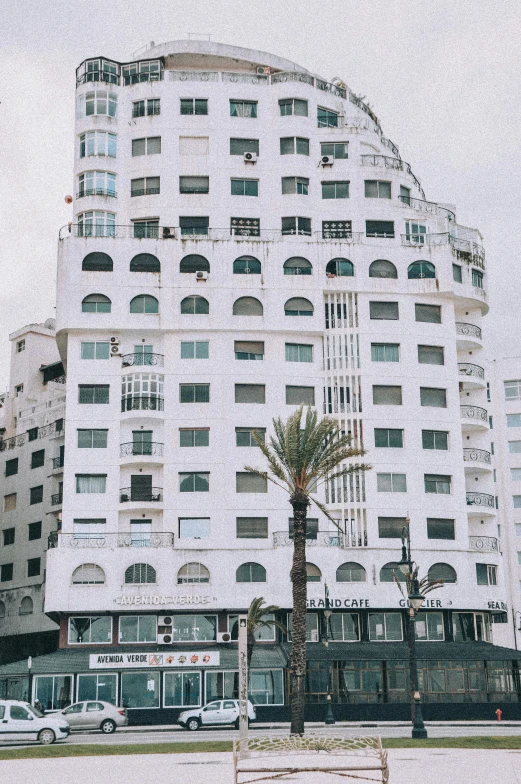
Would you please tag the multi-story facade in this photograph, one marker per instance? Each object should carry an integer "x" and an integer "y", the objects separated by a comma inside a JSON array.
[
  {"x": 245, "y": 239},
  {"x": 31, "y": 454}
]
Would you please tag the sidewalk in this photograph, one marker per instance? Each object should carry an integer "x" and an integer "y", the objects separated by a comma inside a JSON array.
[{"x": 310, "y": 725}]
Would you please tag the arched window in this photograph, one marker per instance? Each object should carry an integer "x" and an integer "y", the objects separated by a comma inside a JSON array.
[
  {"x": 145, "y": 262},
  {"x": 298, "y": 306},
  {"x": 140, "y": 573},
  {"x": 389, "y": 570},
  {"x": 96, "y": 303},
  {"x": 194, "y": 263},
  {"x": 297, "y": 265},
  {"x": 313, "y": 573},
  {"x": 421, "y": 269},
  {"x": 97, "y": 262},
  {"x": 144, "y": 303},
  {"x": 250, "y": 573},
  {"x": 381, "y": 268},
  {"x": 351, "y": 572},
  {"x": 442, "y": 571},
  {"x": 195, "y": 305},
  {"x": 193, "y": 573},
  {"x": 2, "y": 611},
  {"x": 247, "y": 306},
  {"x": 342, "y": 268},
  {"x": 26, "y": 606},
  {"x": 88, "y": 574},
  {"x": 246, "y": 265}
]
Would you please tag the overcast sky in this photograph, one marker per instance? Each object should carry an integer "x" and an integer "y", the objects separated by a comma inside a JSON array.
[{"x": 442, "y": 75}]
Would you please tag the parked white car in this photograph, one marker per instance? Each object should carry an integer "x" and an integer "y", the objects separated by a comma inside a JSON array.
[
  {"x": 95, "y": 714},
  {"x": 21, "y": 721},
  {"x": 219, "y": 712}
]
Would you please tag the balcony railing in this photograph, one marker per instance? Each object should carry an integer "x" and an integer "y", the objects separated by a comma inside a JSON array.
[
  {"x": 474, "y": 412},
  {"x": 56, "y": 499},
  {"x": 292, "y": 76},
  {"x": 476, "y": 456},
  {"x": 57, "y": 462},
  {"x": 322, "y": 539},
  {"x": 97, "y": 541},
  {"x": 481, "y": 499},
  {"x": 484, "y": 544},
  {"x": 150, "y": 449},
  {"x": 57, "y": 428},
  {"x": 142, "y": 403},
  {"x": 468, "y": 369},
  {"x": 149, "y": 495},
  {"x": 128, "y": 360},
  {"x": 429, "y": 207},
  {"x": 98, "y": 76},
  {"x": 468, "y": 330},
  {"x": 391, "y": 163},
  {"x": 95, "y": 192},
  {"x": 135, "y": 78}
]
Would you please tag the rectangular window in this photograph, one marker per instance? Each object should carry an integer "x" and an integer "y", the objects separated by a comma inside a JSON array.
[
  {"x": 486, "y": 574},
  {"x": 515, "y": 474},
  {"x": 11, "y": 467},
  {"x": 150, "y": 145},
  {"x": 429, "y": 626},
  {"x": 250, "y": 483},
  {"x": 377, "y": 189},
  {"x": 296, "y": 226},
  {"x": 90, "y": 629},
  {"x": 249, "y": 349},
  {"x": 298, "y": 185},
  {"x": 294, "y": 145},
  {"x": 244, "y": 187},
  {"x": 6, "y": 572},
  {"x": 240, "y": 146},
  {"x": 244, "y": 435},
  {"x": 295, "y": 106},
  {"x": 194, "y": 106},
  {"x": 513, "y": 420},
  {"x": 431, "y": 397},
  {"x": 513, "y": 390},
  {"x": 517, "y": 501},
  {"x": 388, "y": 437},
  {"x": 335, "y": 190},
  {"x": 431, "y": 355},
  {"x": 148, "y": 107},
  {"x": 140, "y": 689},
  {"x": 146, "y": 229},
  {"x": 391, "y": 483},
  {"x": 18, "y": 390},
  {"x": 405, "y": 194},
  {"x": 89, "y": 528},
  {"x": 456, "y": 273},
  {"x": 194, "y": 628},
  {"x": 35, "y": 531},
  {"x": 92, "y": 439},
  {"x": 182, "y": 689},
  {"x": 343, "y": 627},
  {"x": 194, "y": 482},
  {"x": 385, "y": 352},
  {"x": 91, "y": 483},
  {"x": 98, "y": 143},
  {"x": 32, "y": 434},
  {"x": 385, "y": 626},
  {"x": 194, "y": 527},
  {"x": 430, "y": 314},
  {"x": 93, "y": 394},
  {"x": 194, "y": 184},
  {"x": 38, "y": 458},
  {"x": 8, "y": 535},
  {"x": 137, "y": 628},
  {"x": 327, "y": 118},
  {"x": 391, "y": 527},
  {"x": 194, "y": 393},
  {"x": 20, "y": 346},
  {"x": 415, "y": 232},
  {"x": 437, "y": 483},
  {"x": 95, "y": 350},
  {"x": 195, "y": 349},
  {"x": 299, "y": 352},
  {"x": 297, "y": 396},
  {"x": 375, "y": 228},
  {"x": 36, "y": 495},
  {"x": 145, "y": 186},
  {"x": 193, "y": 438},
  {"x": 251, "y": 527},
  {"x": 196, "y": 225},
  {"x": 243, "y": 109},
  {"x": 435, "y": 439},
  {"x": 387, "y": 395},
  {"x": 33, "y": 567},
  {"x": 477, "y": 278},
  {"x": 384, "y": 311},
  {"x": 250, "y": 393},
  {"x": 10, "y": 502},
  {"x": 53, "y": 691},
  {"x": 334, "y": 149},
  {"x": 312, "y": 634},
  {"x": 440, "y": 528},
  {"x": 194, "y": 145}
]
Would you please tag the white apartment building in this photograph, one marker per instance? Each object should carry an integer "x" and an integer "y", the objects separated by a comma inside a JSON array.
[{"x": 245, "y": 239}]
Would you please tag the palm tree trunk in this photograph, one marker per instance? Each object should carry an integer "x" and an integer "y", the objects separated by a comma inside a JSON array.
[
  {"x": 298, "y": 631},
  {"x": 251, "y": 643}
]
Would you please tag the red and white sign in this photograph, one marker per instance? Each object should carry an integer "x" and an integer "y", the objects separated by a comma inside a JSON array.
[{"x": 183, "y": 659}]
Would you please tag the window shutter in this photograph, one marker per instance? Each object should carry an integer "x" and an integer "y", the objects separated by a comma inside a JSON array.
[
  {"x": 384, "y": 310},
  {"x": 296, "y": 396},
  {"x": 387, "y": 396},
  {"x": 138, "y": 146},
  {"x": 249, "y": 346},
  {"x": 153, "y": 145},
  {"x": 436, "y": 398},
  {"x": 250, "y": 393},
  {"x": 391, "y": 527},
  {"x": 428, "y": 313},
  {"x": 431, "y": 355},
  {"x": 252, "y": 527},
  {"x": 250, "y": 483}
]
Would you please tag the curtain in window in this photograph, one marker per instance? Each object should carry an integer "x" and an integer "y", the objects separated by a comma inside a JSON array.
[
  {"x": 243, "y": 109},
  {"x": 91, "y": 483}
]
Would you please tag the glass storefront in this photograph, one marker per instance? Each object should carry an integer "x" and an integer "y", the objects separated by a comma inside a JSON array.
[
  {"x": 54, "y": 692},
  {"x": 140, "y": 689},
  {"x": 98, "y": 687},
  {"x": 182, "y": 689},
  {"x": 266, "y": 687}
]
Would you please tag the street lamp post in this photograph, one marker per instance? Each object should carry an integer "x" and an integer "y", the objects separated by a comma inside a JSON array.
[
  {"x": 515, "y": 613},
  {"x": 330, "y": 718},
  {"x": 415, "y": 602}
]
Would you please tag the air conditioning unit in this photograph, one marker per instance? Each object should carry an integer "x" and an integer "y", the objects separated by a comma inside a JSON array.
[
  {"x": 114, "y": 350},
  {"x": 168, "y": 233},
  {"x": 264, "y": 70},
  {"x": 314, "y": 635},
  {"x": 165, "y": 620},
  {"x": 164, "y": 639},
  {"x": 224, "y": 637},
  {"x": 250, "y": 157},
  {"x": 201, "y": 275},
  {"x": 115, "y": 340},
  {"x": 327, "y": 160}
]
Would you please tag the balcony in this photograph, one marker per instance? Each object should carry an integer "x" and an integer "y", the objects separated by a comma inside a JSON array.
[
  {"x": 484, "y": 544},
  {"x": 391, "y": 163},
  {"x": 323, "y": 539},
  {"x": 471, "y": 376},
  {"x": 96, "y": 192},
  {"x": 150, "y": 449},
  {"x": 139, "y": 360},
  {"x": 107, "y": 541},
  {"x": 474, "y": 418},
  {"x": 468, "y": 335},
  {"x": 56, "y": 499},
  {"x": 428, "y": 207},
  {"x": 147, "y": 495},
  {"x": 142, "y": 403},
  {"x": 477, "y": 460},
  {"x": 486, "y": 503},
  {"x": 57, "y": 463}
]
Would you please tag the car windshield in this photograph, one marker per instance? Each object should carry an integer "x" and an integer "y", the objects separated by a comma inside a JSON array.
[{"x": 35, "y": 710}]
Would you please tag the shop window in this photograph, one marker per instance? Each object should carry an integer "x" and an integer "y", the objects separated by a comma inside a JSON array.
[
  {"x": 140, "y": 689},
  {"x": 182, "y": 689}
]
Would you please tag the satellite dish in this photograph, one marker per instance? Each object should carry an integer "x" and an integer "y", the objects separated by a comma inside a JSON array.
[
  {"x": 68, "y": 199},
  {"x": 50, "y": 323}
]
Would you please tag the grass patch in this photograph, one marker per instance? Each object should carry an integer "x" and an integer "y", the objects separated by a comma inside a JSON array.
[{"x": 483, "y": 742}]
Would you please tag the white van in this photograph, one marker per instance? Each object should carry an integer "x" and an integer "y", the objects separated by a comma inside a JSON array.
[{"x": 21, "y": 721}]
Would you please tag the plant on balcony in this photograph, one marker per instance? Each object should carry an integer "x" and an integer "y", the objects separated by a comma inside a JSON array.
[
  {"x": 257, "y": 620},
  {"x": 301, "y": 457}
]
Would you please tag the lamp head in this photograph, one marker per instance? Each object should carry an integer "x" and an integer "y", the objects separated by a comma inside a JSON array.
[
  {"x": 403, "y": 564},
  {"x": 416, "y": 598}
]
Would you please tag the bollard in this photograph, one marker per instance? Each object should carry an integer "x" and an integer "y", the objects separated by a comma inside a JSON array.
[{"x": 499, "y": 713}]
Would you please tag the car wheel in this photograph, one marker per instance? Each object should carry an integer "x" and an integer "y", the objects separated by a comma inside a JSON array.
[
  {"x": 46, "y": 737},
  {"x": 108, "y": 727},
  {"x": 192, "y": 725}
]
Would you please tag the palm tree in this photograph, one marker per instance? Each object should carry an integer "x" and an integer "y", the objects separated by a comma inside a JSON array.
[
  {"x": 300, "y": 458},
  {"x": 257, "y": 612}
]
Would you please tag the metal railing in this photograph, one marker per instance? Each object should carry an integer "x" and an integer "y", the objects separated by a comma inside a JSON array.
[
  {"x": 57, "y": 462},
  {"x": 145, "y": 192},
  {"x": 476, "y": 456},
  {"x": 244, "y": 78},
  {"x": 292, "y": 76},
  {"x": 468, "y": 330},
  {"x": 429, "y": 207},
  {"x": 42, "y": 432},
  {"x": 135, "y": 78},
  {"x": 150, "y": 495},
  {"x": 468, "y": 369},
  {"x": 481, "y": 499},
  {"x": 97, "y": 541},
  {"x": 323, "y": 538},
  {"x": 329, "y": 87},
  {"x": 56, "y": 499},
  {"x": 462, "y": 249},
  {"x": 484, "y": 544},
  {"x": 138, "y": 360},
  {"x": 194, "y": 76},
  {"x": 392, "y": 163},
  {"x": 146, "y": 449},
  {"x": 95, "y": 192},
  {"x": 474, "y": 412},
  {"x": 142, "y": 403},
  {"x": 98, "y": 76}
]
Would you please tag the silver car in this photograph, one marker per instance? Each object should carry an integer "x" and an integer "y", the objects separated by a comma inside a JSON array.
[{"x": 95, "y": 714}]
